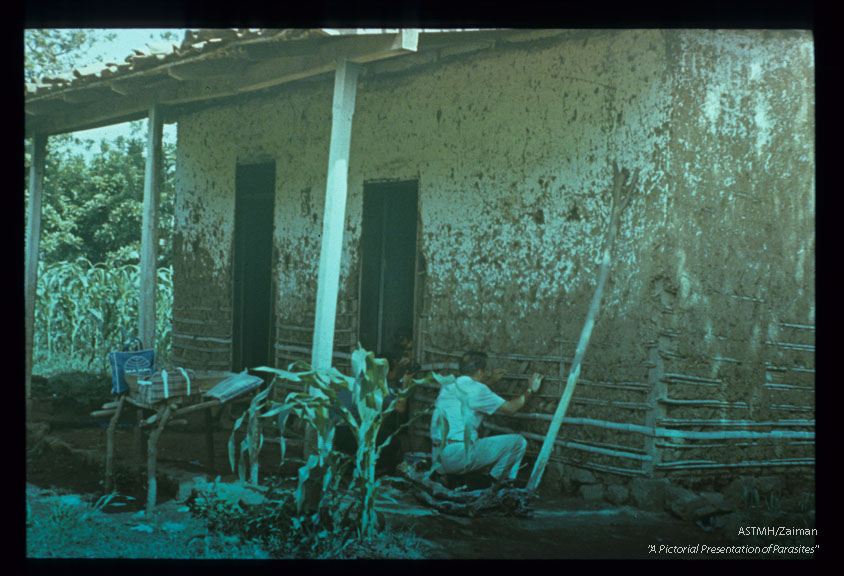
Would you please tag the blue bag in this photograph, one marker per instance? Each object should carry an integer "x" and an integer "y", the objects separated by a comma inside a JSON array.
[{"x": 142, "y": 361}]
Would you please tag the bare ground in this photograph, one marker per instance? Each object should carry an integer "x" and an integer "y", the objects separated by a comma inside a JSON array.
[{"x": 65, "y": 455}]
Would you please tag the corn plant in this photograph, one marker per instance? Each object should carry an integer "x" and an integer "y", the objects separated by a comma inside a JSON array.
[
  {"x": 85, "y": 310},
  {"x": 368, "y": 388}
]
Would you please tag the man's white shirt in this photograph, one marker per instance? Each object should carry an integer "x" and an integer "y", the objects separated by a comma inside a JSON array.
[{"x": 481, "y": 402}]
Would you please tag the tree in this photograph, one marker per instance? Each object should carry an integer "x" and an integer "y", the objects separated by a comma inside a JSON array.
[
  {"x": 92, "y": 207},
  {"x": 51, "y": 51},
  {"x": 57, "y": 51}
]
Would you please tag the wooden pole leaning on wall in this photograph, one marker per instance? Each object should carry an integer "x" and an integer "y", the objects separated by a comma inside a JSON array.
[
  {"x": 622, "y": 191},
  {"x": 33, "y": 241},
  {"x": 149, "y": 229}
]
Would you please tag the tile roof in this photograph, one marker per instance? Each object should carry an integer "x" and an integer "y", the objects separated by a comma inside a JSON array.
[{"x": 155, "y": 53}]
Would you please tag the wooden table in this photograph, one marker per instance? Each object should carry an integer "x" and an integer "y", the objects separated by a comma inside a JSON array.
[{"x": 166, "y": 411}]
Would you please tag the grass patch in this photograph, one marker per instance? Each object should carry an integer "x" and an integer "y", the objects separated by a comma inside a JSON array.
[{"x": 65, "y": 526}]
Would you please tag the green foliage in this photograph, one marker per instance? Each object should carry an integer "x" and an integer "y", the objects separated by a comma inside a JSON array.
[
  {"x": 84, "y": 310},
  {"x": 53, "y": 51},
  {"x": 68, "y": 527},
  {"x": 276, "y": 524},
  {"x": 278, "y": 527},
  {"x": 340, "y": 507},
  {"x": 93, "y": 209}
]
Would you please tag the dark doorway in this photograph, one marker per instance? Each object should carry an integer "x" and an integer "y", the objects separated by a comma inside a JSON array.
[
  {"x": 254, "y": 325},
  {"x": 388, "y": 253}
]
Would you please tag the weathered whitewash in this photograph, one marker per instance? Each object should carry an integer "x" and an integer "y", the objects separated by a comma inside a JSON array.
[{"x": 708, "y": 318}]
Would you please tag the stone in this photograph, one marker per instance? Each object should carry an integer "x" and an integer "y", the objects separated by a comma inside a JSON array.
[
  {"x": 688, "y": 505},
  {"x": 581, "y": 476},
  {"x": 649, "y": 494},
  {"x": 591, "y": 492},
  {"x": 718, "y": 501},
  {"x": 682, "y": 502},
  {"x": 617, "y": 494}
]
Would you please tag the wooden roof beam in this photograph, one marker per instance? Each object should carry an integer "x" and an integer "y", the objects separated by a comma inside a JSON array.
[
  {"x": 53, "y": 115},
  {"x": 357, "y": 49},
  {"x": 134, "y": 85},
  {"x": 276, "y": 71},
  {"x": 83, "y": 96}
]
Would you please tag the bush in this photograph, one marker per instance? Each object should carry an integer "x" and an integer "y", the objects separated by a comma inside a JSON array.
[{"x": 274, "y": 523}]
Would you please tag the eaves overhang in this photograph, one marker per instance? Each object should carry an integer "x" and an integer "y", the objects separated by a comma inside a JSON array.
[{"x": 208, "y": 65}]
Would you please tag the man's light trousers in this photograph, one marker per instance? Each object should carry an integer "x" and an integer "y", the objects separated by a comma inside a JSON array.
[{"x": 501, "y": 454}]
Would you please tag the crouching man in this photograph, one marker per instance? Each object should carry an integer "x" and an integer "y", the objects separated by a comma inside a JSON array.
[{"x": 469, "y": 398}]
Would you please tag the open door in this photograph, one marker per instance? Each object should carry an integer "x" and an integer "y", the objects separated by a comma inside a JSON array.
[
  {"x": 388, "y": 254},
  {"x": 254, "y": 326}
]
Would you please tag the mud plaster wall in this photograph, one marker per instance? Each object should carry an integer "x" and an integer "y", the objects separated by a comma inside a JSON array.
[
  {"x": 514, "y": 141},
  {"x": 739, "y": 253},
  {"x": 510, "y": 149}
]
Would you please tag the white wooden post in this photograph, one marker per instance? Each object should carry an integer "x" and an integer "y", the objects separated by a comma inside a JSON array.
[
  {"x": 333, "y": 222},
  {"x": 33, "y": 241},
  {"x": 149, "y": 230}
]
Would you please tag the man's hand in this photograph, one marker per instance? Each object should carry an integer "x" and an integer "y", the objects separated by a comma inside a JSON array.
[
  {"x": 535, "y": 381},
  {"x": 515, "y": 404}
]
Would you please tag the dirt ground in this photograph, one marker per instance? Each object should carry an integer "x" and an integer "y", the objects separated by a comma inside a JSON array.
[{"x": 65, "y": 455}]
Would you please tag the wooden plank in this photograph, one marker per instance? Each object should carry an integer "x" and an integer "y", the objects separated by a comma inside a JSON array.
[
  {"x": 193, "y": 408},
  {"x": 343, "y": 107},
  {"x": 33, "y": 241},
  {"x": 149, "y": 229}
]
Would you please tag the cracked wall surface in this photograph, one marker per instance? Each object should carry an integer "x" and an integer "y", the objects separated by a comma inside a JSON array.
[{"x": 714, "y": 260}]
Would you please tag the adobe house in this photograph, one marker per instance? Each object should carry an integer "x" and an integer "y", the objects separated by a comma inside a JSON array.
[{"x": 455, "y": 184}]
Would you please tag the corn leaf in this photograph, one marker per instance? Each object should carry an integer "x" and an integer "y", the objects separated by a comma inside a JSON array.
[
  {"x": 283, "y": 374},
  {"x": 231, "y": 451}
]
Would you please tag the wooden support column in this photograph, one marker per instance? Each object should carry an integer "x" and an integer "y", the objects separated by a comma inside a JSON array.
[
  {"x": 152, "y": 457},
  {"x": 149, "y": 229},
  {"x": 33, "y": 241},
  {"x": 333, "y": 222},
  {"x": 109, "y": 467}
]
